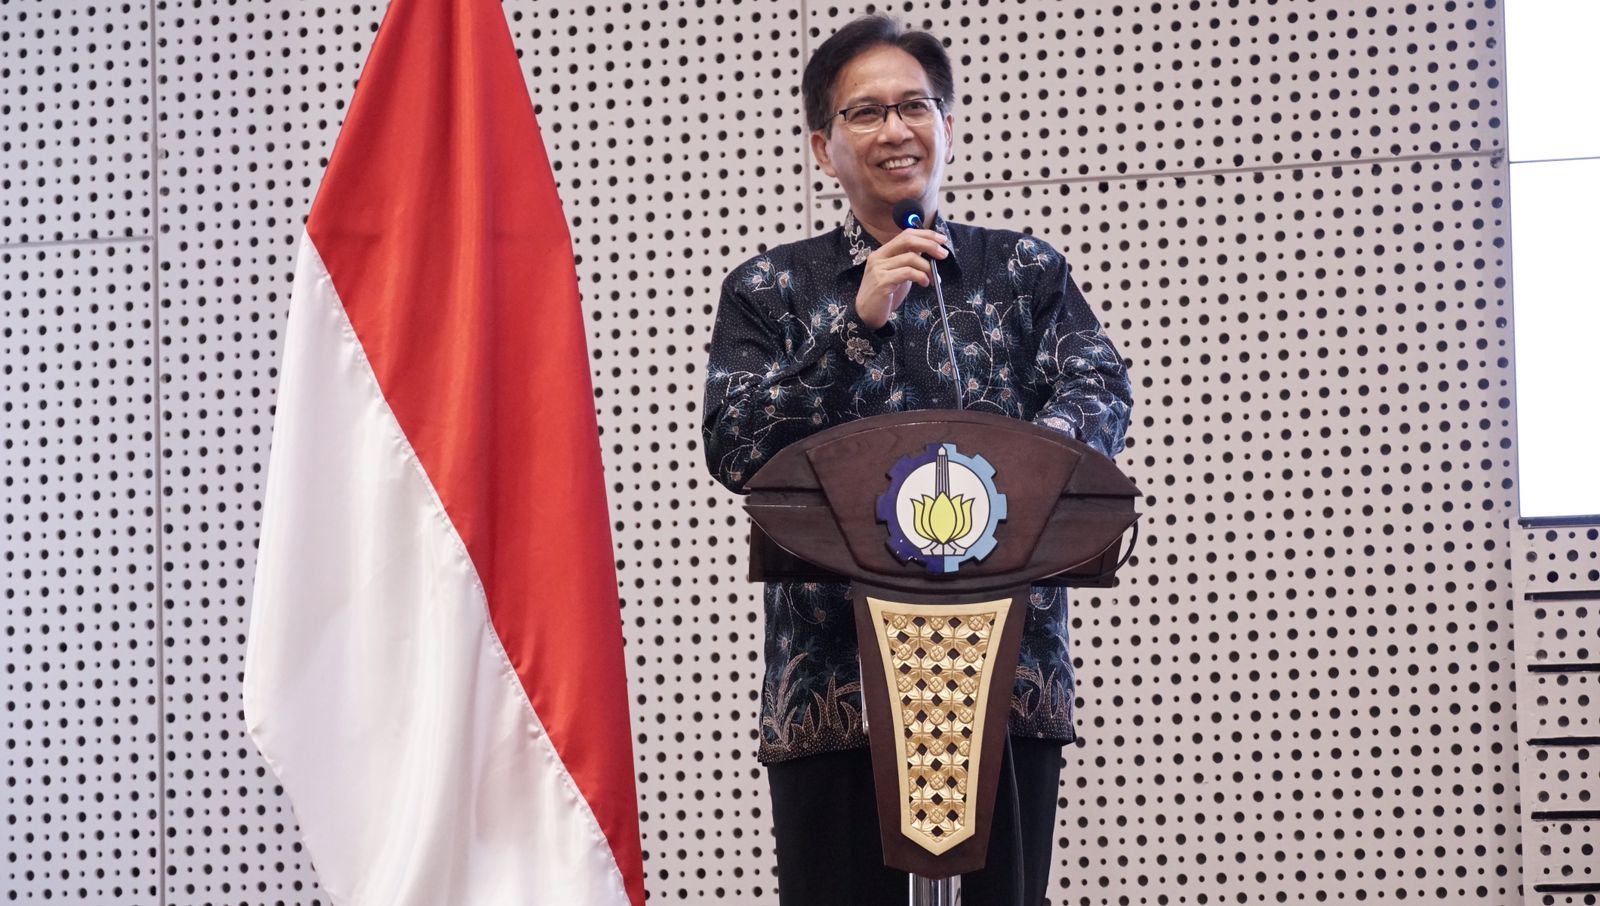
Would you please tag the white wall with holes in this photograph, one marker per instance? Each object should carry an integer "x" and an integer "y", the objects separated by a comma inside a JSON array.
[
  {"x": 1290, "y": 215},
  {"x": 1558, "y": 701}
]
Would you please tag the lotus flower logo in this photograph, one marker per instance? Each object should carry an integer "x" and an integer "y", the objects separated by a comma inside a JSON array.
[
  {"x": 941, "y": 519},
  {"x": 942, "y": 508}
]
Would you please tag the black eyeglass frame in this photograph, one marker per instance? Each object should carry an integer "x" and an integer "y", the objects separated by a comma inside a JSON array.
[{"x": 938, "y": 108}]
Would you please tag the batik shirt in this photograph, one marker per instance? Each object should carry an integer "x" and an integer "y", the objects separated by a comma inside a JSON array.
[{"x": 790, "y": 356}]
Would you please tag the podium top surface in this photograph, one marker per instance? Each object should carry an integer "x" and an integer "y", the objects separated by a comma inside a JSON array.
[{"x": 942, "y": 499}]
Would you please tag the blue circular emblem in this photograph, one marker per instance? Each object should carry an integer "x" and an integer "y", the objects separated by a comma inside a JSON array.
[{"x": 941, "y": 508}]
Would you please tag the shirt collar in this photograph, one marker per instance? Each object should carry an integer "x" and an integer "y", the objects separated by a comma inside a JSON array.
[{"x": 858, "y": 243}]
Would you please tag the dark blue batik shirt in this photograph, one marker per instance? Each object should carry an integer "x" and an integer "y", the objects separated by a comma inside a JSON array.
[{"x": 790, "y": 356}]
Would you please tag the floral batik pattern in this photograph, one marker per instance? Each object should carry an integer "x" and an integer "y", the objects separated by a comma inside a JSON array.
[{"x": 790, "y": 357}]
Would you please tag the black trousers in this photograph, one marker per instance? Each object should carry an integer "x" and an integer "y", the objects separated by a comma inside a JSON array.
[{"x": 830, "y": 854}]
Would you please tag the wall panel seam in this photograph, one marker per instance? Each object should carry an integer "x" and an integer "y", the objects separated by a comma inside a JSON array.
[
  {"x": 156, "y": 435},
  {"x": 805, "y": 134},
  {"x": 67, "y": 243},
  {"x": 1492, "y": 153}
]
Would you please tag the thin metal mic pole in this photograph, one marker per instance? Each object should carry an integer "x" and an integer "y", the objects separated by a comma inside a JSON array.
[
  {"x": 927, "y": 891},
  {"x": 949, "y": 341},
  {"x": 908, "y": 214}
]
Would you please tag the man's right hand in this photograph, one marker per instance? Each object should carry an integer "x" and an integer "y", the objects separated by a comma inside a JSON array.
[{"x": 892, "y": 269}]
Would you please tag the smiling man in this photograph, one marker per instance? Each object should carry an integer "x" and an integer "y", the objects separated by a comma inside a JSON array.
[{"x": 844, "y": 326}]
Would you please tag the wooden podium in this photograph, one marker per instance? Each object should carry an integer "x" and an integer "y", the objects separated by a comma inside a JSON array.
[{"x": 941, "y": 520}]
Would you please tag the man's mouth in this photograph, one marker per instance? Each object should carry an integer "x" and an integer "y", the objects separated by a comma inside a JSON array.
[{"x": 898, "y": 163}]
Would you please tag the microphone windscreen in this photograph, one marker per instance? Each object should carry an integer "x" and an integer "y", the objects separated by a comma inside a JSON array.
[{"x": 908, "y": 214}]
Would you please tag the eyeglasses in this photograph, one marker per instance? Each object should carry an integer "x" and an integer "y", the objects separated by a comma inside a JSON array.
[{"x": 871, "y": 117}]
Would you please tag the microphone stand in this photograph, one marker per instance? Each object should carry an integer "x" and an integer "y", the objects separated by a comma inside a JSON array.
[
  {"x": 925, "y": 891},
  {"x": 949, "y": 341},
  {"x": 909, "y": 216}
]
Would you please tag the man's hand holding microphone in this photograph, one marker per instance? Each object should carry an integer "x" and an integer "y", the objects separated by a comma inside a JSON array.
[{"x": 898, "y": 263}]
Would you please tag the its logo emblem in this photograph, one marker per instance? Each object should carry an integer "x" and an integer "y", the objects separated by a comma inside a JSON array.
[{"x": 942, "y": 508}]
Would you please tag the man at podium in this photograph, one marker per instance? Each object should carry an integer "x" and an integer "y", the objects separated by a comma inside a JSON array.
[{"x": 847, "y": 325}]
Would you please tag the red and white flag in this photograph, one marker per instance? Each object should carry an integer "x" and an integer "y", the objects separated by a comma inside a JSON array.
[{"x": 435, "y": 667}]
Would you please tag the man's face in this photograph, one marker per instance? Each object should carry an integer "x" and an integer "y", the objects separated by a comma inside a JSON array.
[{"x": 879, "y": 169}]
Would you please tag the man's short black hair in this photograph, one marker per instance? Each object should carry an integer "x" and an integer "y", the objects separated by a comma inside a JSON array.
[{"x": 860, "y": 36}]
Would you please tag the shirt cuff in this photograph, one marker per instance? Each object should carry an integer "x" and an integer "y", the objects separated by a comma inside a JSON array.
[
  {"x": 861, "y": 343},
  {"x": 1057, "y": 423}
]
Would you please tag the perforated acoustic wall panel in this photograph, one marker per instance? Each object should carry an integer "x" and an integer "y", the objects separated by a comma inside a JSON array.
[
  {"x": 1290, "y": 216},
  {"x": 674, "y": 133},
  {"x": 1320, "y": 609},
  {"x": 1558, "y": 645},
  {"x": 249, "y": 100},
  {"x": 1052, "y": 91},
  {"x": 78, "y": 560},
  {"x": 75, "y": 109}
]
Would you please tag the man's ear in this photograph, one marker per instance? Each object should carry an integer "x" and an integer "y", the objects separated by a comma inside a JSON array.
[
  {"x": 819, "y": 150},
  {"x": 950, "y": 137}
]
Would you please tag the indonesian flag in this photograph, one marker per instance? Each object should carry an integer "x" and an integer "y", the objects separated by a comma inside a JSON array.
[{"x": 435, "y": 666}]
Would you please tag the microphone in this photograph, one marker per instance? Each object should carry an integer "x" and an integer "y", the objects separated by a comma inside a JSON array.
[{"x": 908, "y": 216}]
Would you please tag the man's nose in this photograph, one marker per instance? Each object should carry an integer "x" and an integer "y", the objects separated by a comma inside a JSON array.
[{"x": 894, "y": 129}]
